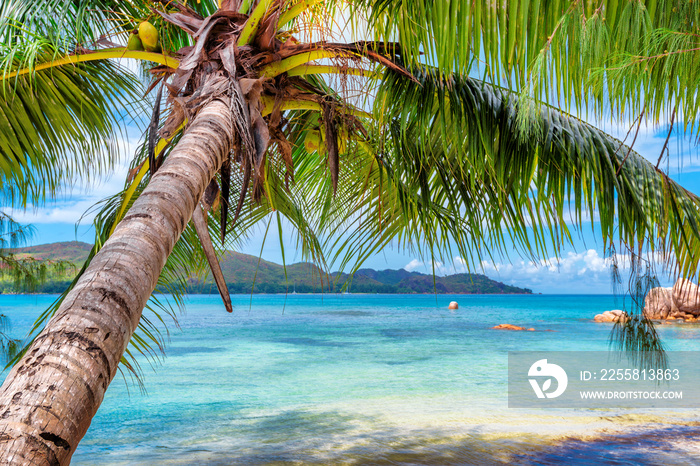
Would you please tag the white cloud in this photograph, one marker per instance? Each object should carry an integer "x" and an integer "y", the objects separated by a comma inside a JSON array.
[
  {"x": 573, "y": 272},
  {"x": 63, "y": 212},
  {"x": 413, "y": 265}
]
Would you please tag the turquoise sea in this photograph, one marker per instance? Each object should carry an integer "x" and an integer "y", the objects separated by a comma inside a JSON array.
[{"x": 369, "y": 379}]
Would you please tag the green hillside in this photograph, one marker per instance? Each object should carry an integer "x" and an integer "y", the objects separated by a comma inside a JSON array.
[
  {"x": 72, "y": 251},
  {"x": 240, "y": 271}
]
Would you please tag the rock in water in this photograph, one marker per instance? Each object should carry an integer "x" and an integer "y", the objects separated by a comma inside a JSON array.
[
  {"x": 686, "y": 296},
  {"x": 659, "y": 304},
  {"x": 511, "y": 327},
  {"x": 453, "y": 305},
  {"x": 616, "y": 315},
  {"x": 682, "y": 301}
]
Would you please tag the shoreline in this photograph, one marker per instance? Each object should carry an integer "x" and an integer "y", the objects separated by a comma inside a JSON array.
[{"x": 623, "y": 440}]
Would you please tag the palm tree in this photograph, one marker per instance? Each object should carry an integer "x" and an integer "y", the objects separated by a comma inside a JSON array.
[
  {"x": 26, "y": 272},
  {"x": 259, "y": 105}
]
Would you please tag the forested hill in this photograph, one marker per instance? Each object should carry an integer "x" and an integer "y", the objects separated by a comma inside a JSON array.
[
  {"x": 71, "y": 251},
  {"x": 240, "y": 272}
]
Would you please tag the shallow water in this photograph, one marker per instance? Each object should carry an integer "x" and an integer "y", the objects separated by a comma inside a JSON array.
[{"x": 369, "y": 379}]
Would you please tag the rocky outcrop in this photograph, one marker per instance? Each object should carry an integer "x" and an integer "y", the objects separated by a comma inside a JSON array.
[
  {"x": 511, "y": 327},
  {"x": 659, "y": 304},
  {"x": 686, "y": 296},
  {"x": 615, "y": 315},
  {"x": 682, "y": 301}
]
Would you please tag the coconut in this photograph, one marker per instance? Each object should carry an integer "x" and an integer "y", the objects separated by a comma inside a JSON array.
[
  {"x": 312, "y": 141},
  {"x": 134, "y": 43},
  {"x": 343, "y": 136},
  {"x": 148, "y": 35}
]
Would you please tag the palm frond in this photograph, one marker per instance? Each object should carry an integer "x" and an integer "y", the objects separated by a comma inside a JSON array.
[
  {"x": 458, "y": 138},
  {"x": 56, "y": 125},
  {"x": 628, "y": 58},
  {"x": 591, "y": 56}
]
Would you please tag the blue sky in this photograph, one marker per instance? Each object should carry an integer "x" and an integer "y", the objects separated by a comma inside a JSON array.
[{"x": 580, "y": 269}]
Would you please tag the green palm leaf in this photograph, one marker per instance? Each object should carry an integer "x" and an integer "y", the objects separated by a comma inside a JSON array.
[{"x": 460, "y": 168}]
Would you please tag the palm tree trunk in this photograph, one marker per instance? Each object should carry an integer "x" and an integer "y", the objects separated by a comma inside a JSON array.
[{"x": 49, "y": 398}]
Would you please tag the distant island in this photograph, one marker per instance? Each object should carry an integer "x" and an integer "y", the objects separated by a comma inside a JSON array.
[{"x": 240, "y": 272}]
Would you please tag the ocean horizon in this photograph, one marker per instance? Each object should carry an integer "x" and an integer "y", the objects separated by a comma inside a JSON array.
[{"x": 369, "y": 379}]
